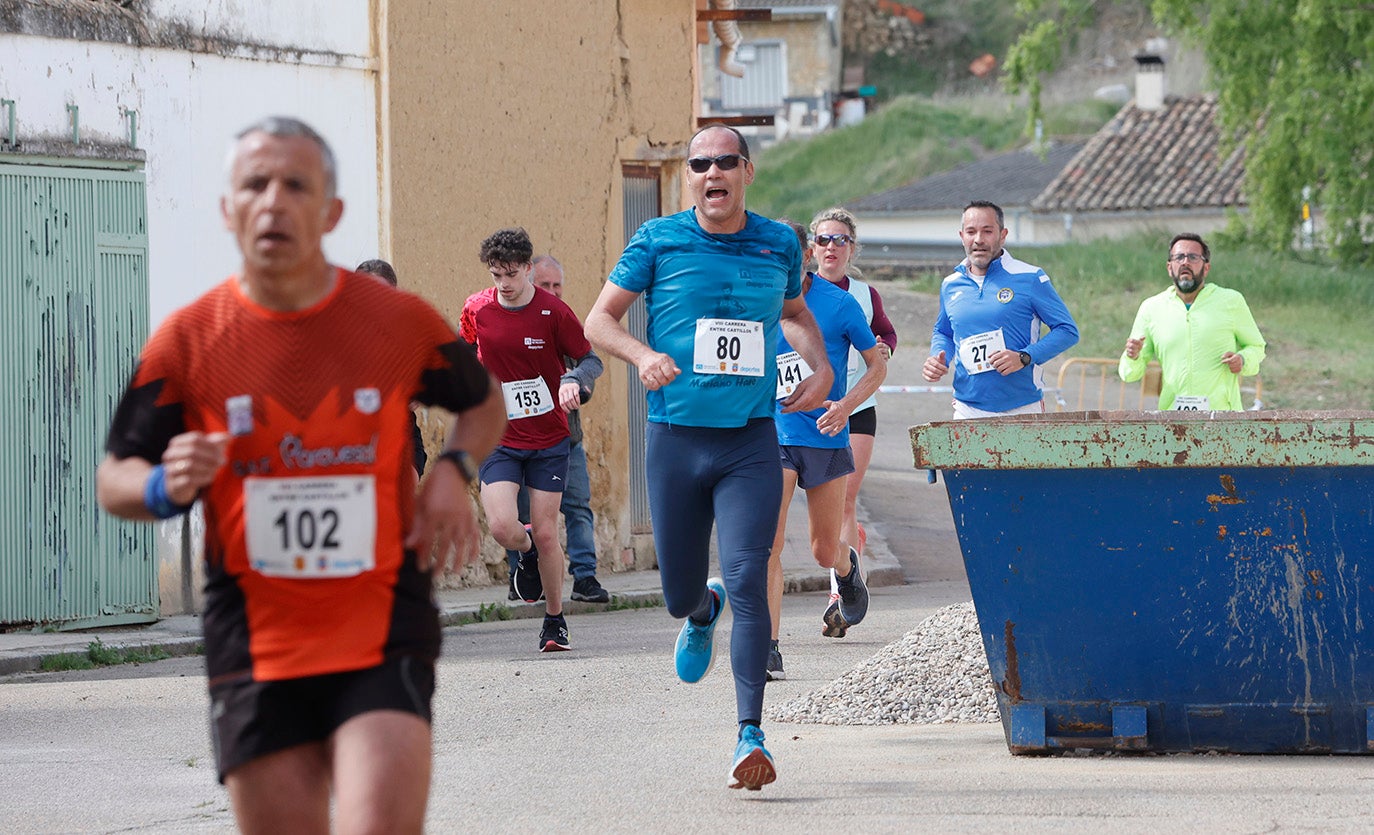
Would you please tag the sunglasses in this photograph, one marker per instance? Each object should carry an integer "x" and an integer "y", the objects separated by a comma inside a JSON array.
[
  {"x": 837, "y": 240},
  {"x": 725, "y": 162}
]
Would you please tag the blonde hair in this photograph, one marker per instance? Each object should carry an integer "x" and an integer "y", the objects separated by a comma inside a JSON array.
[{"x": 841, "y": 215}]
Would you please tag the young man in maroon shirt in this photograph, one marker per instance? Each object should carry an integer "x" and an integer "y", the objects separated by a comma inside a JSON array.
[{"x": 522, "y": 333}]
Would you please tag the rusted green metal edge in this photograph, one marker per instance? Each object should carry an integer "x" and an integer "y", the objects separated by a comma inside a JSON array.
[{"x": 1101, "y": 440}]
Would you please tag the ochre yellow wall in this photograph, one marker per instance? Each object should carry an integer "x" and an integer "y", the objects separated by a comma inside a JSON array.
[{"x": 522, "y": 113}]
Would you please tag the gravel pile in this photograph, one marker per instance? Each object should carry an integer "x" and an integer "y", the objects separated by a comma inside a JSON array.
[{"x": 936, "y": 673}]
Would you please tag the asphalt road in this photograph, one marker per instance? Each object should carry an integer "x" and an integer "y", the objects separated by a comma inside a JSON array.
[{"x": 606, "y": 739}]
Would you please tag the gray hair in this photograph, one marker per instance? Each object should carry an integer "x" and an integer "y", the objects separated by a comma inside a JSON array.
[
  {"x": 283, "y": 127},
  {"x": 547, "y": 259}
]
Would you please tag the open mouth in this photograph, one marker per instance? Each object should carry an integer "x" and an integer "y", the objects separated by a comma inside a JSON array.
[{"x": 717, "y": 193}]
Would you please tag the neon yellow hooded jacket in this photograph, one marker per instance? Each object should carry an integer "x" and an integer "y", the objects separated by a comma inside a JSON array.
[{"x": 1189, "y": 342}]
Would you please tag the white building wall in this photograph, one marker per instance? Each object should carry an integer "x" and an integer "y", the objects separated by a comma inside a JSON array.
[
  {"x": 190, "y": 104},
  {"x": 910, "y": 227},
  {"x": 1026, "y": 228},
  {"x": 318, "y": 25},
  {"x": 311, "y": 60}
]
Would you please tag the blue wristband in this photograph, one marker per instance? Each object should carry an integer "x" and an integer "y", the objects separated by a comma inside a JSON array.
[{"x": 155, "y": 496}]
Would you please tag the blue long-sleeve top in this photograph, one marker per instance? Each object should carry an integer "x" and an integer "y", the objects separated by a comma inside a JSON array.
[{"x": 1016, "y": 298}]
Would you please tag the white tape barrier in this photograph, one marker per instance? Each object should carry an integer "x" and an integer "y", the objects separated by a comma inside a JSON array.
[{"x": 945, "y": 390}]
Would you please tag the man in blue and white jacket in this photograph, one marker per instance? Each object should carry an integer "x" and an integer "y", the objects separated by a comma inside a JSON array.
[{"x": 992, "y": 308}]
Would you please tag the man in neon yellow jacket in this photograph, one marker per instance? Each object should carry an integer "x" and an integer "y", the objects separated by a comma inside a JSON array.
[{"x": 1203, "y": 335}]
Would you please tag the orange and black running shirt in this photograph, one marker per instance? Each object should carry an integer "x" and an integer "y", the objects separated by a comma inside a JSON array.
[
  {"x": 524, "y": 348},
  {"x": 306, "y": 573}
]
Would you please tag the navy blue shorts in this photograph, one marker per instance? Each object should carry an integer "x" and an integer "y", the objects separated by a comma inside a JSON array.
[
  {"x": 815, "y": 466},
  {"x": 541, "y": 469}
]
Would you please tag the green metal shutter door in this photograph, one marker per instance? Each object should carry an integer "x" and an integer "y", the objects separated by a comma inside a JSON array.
[
  {"x": 73, "y": 247},
  {"x": 640, "y": 203}
]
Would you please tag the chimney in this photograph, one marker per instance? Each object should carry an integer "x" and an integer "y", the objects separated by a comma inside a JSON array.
[{"x": 1149, "y": 82}]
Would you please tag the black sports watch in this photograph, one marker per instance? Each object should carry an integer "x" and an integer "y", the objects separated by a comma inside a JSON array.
[
  {"x": 1025, "y": 359},
  {"x": 463, "y": 462}
]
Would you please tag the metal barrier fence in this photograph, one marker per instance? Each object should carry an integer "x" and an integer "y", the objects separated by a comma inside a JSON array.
[{"x": 1096, "y": 385}]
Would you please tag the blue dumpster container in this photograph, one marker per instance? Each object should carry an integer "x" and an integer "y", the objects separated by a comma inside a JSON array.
[{"x": 1170, "y": 581}]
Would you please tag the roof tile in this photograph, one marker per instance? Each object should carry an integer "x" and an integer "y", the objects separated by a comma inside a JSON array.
[{"x": 1151, "y": 160}]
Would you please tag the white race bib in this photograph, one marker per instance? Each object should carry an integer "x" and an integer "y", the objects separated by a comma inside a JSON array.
[
  {"x": 526, "y": 398},
  {"x": 310, "y": 528},
  {"x": 975, "y": 352},
  {"x": 792, "y": 369},
  {"x": 1192, "y": 403},
  {"x": 728, "y": 346}
]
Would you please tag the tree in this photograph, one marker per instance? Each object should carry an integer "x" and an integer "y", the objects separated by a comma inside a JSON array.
[{"x": 1295, "y": 87}]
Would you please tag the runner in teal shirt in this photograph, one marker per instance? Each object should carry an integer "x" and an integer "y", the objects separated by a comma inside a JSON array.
[{"x": 689, "y": 276}]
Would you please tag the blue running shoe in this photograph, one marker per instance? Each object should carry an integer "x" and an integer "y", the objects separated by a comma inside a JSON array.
[
  {"x": 696, "y": 651},
  {"x": 753, "y": 768},
  {"x": 853, "y": 593}
]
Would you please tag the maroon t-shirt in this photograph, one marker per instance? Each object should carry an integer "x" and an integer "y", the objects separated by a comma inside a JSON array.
[{"x": 523, "y": 345}]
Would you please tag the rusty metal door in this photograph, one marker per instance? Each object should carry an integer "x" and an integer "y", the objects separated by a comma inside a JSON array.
[{"x": 74, "y": 279}]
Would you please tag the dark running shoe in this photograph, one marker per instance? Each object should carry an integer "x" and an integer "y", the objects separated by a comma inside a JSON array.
[
  {"x": 835, "y": 625},
  {"x": 853, "y": 592},
  {"x": 554, "y": 636},
  {"x": 528, "y": 585},
  {"x": 512, "y": 594},
  {"x": 774, "y": 669},
  {"x": 588, "y": 590}
]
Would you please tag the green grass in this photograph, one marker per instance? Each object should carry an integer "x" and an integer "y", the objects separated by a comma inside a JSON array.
[
  {"x": 1314, "y": 317},
  {"x": 958, "y": 31},
  {"x": 620, "y": 603},
  {"x": 910, "y": 138},
  {"x": 487, "y": 613},
  {"x": 99, "y": 655}
]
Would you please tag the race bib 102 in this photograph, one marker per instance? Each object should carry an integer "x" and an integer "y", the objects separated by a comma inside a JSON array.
[{"x": 311, "y": 528}]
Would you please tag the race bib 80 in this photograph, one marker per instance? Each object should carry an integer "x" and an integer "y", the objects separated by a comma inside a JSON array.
[{"x": 728, "y": 346}]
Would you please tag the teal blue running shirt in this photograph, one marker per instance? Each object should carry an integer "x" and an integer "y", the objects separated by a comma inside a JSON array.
[{"x": 727, "y": 288}]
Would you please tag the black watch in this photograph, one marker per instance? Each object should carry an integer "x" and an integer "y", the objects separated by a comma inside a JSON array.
[
  {"x": 463, "y": 462},
  {"x": 1025, "y": 359}
]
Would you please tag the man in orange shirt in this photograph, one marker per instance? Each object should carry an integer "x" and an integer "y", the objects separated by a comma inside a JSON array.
[{"x": 281, "y": 399}]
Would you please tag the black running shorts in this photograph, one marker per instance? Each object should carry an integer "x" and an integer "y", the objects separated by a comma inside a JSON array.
[
  {"x": 250, "y": 719},
  {"x": 864, "y": 422}
]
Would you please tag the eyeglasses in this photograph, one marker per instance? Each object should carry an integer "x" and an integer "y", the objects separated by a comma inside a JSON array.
[
  {"x": 725, "y": 162},
  {"x": 1188, "y": 257},
  {"x": 837, "y": 240}
]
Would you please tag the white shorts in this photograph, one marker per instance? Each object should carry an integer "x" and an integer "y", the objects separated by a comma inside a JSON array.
[{"x": 963, "y": 411}]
